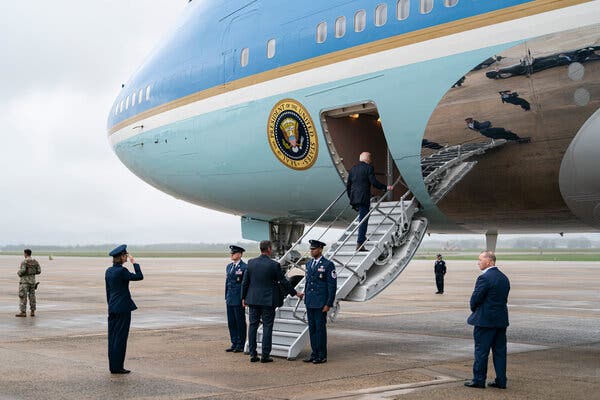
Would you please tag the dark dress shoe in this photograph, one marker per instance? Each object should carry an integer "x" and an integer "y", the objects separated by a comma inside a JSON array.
[
  {"x": 254, "y": 359},
  {"x": 473, "y": 384},
  {"x": 266, "y": 359},
  {"x": 494, "y": 384},
  {"x": 236, "y": 350},
  {"x": 121, "y": 371},
  {"x": 309, "y": 359},
  {"x": 230, "y": 349},
  {"x": 320, "y": 361}
]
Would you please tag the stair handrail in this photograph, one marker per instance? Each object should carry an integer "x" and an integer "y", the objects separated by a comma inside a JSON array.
[
  {"x": 297, "y": 242},
  {"x": 354, "y": 230}
]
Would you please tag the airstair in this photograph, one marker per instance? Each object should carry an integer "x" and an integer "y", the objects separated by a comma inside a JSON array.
[{"x": 395, "y": 231}]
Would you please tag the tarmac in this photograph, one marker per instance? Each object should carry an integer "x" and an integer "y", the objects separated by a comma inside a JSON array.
[{"x": 408, "y": 343}]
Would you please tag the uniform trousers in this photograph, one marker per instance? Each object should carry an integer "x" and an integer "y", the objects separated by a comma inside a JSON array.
[
  {"x": 317, "y": 328},
  {"x": 236, "y": 321},
  {"x": 118, "y": 331},
  {"x": 267, "y": 315},
  {"x": 26, "y": 290},
  {"x": 439, "y": 282},
  {"x": 486, "y": 339}
]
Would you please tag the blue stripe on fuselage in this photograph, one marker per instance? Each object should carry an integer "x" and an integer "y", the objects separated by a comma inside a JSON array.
[{"x": 203, "y": 51}]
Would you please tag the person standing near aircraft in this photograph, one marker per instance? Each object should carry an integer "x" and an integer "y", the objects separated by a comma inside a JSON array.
[
  {"x": 490, "y": 320},
  {"x": 28, "y": 270},
  {"x": 440, "y": 270},
  {"x": 320, "y": 286},
  {"x": 358, "y": 187},
  {"x": 260, "y": 292},
  {"x": 236, "y": 316},
  {"x": 120, "y": 306}
]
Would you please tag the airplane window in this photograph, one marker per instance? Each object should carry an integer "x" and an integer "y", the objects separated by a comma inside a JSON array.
[
  {"x": 121, "y": 107},
  {"x": 245, "y": 56},
  {"x": 271, "y": 48},
  {"x": 133, "y": 97},
  {"x": 426, "y": 6},
  {"x": 340, "y": 27},
  {"x": 402, "y": 9},
  {"x": 450, "y": 3},
  {"x": 381, "y": 14},
  {"x": 322, "y": 32},
  {"x": 360, "y": 21},
  {"x": 140, "y": 95},
  {"x": 127, "y": 103},
  {"x": 148, "y": 93}
]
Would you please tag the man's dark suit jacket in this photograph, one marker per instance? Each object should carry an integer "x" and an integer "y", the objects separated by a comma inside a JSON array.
[
  {"x": 117, "y": 280},
  {"x": 358, "y": 187},
  {"x": 489, "y": 299},
  {"x": 259, "y": 286}
]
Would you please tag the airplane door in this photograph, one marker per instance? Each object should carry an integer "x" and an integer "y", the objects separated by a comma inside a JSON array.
[{"x": 235, "y": 38}]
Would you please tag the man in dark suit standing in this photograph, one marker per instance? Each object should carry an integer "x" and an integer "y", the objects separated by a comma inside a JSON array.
[
  {"x": 490, "y": 320},
  {"x": 358, "y": 187},
  {"x": 260, "y": 292},
  {"x": 120, "y": 306}
]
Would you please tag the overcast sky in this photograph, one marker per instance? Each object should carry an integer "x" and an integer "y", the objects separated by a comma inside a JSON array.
[{"x": 63, "y": 62}]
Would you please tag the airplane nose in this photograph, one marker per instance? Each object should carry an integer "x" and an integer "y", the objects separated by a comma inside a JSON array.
[{"x": 580, "y": 173}]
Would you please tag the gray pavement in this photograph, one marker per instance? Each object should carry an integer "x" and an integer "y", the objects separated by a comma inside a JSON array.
[{"x": 408, "y": 343}]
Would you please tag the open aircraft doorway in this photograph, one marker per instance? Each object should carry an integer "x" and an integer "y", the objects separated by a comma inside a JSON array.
[{"x": 353, "y": 129}]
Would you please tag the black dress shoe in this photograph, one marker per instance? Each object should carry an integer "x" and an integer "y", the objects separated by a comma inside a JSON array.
[
  {"x": 236, "y": 350},
  {"x": 121, "y": 371},
  {"x": 309, "y": 359},
  {"x": 266, "y": 359},
  {"x": 254, "y": 359},
  {"x": 230, "y": 349},
  {"x": 494, "y": 384},
  {"x": 473, "y": 384},
  {"x": 320, "y": 361}
]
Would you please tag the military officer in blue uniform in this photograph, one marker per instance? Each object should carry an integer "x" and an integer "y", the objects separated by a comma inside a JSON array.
[
  {"x": 320, "y": 289},
  {"x": 236, "y": 316},
  {"x": 120, "y": 306}
]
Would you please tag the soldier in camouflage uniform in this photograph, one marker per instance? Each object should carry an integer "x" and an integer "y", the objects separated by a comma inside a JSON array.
[{"x": 28, "y": 270}]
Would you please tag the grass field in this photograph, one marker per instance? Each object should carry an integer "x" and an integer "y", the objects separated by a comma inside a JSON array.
[{"x": 502, "y": 254}]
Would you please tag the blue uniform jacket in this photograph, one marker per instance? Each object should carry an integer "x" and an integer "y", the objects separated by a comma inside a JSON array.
[
  {"x": 321, "y": 284},
  {"x": 233, "y": 283},
  {"x": 489, "y": 300},
  {"x": 260, "y": 283},
  {"x": 117, "y": 280}
]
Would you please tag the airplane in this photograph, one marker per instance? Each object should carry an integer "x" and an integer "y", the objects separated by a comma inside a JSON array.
[{"x": 259, "y": 108}]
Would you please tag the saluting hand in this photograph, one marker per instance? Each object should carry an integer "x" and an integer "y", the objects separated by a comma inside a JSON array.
[
  {"x": 326, "y": 308},
  {"x": 131, "y": 259}
]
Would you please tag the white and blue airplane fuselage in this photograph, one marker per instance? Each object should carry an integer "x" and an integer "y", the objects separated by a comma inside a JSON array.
[{"x": 254, "y": 107}]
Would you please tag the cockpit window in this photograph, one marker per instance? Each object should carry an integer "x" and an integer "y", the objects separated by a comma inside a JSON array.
[
  {"x": 322, "y": 32},
  {"x": 360, "y": 21},
  {"x": 245, "y": 57},
  {"x": 127, "y": 103},
  {"x": 426, "y": 6},
  {"x": 381, "y": 14},
  {"x": 340, "y": 27},
  {"x": 140, "y": 96},
  {"x": 450, "y": 3},
  {"x": 402, "y": 9},
  {"x": 271, "y": 48}
]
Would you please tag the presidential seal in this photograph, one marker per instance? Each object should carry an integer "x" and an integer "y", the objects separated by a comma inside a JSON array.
[{"x": 292, "y": 135}]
